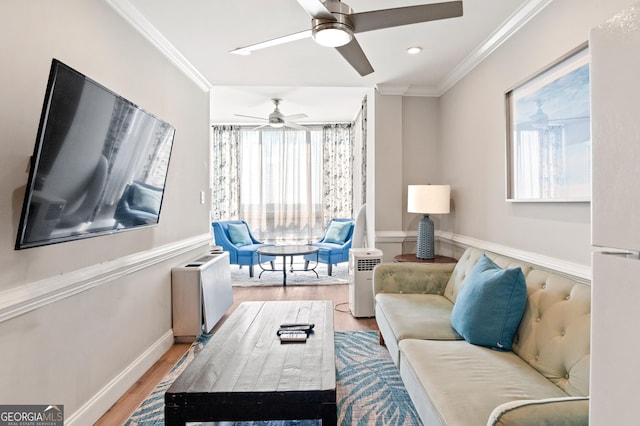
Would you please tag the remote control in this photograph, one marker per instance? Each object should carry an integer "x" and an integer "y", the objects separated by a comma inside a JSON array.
[
  {"x": 292, "y": 331},
  {"x": 301, "y": 329},
  {"x": 289, "y": 325},
  {"x": 293, "y": 337}
]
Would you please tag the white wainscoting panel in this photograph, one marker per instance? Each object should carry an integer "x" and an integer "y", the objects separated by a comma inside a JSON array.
[
  {"x": 25, "y": 298},
  {"x": 453, "y": 245}
]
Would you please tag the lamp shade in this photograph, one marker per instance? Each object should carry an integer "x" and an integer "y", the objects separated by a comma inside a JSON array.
[{"x": 428, "y": 199}]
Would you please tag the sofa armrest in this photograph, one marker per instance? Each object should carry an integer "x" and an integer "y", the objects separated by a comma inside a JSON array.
[
  {"x": 570, "y": 411},
  {"x": 421, "y": 278}
]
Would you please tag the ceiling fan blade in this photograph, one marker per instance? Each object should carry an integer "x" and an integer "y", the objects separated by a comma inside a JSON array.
[
  {"x": 260, "y": 127},
  {"x": 295, "y": 126},
  {"x": 294, "y": 117},
  {"x": 387, "y": 18},
  {"x": 354, "y": 54},
  {"x": 316, "y": 9},
  {"x": 246, "y": 50},
  {"x": 252, "y": 117}
]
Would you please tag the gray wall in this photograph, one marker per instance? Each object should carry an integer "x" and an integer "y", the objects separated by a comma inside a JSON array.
[
  {"x": 69, "y": 350},
  {"x": 469, "y": 149},
  {"x": 407, "y": 152},
  {"x": 473, "y": 139}
]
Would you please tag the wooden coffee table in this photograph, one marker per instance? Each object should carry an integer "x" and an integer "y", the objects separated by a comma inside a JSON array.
[{"x": 244, "y": 373}]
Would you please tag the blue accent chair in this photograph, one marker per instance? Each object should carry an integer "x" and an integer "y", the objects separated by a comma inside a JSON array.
[
  {"x": 239, "y": 255},
  {"x": 332, "y": 253}
]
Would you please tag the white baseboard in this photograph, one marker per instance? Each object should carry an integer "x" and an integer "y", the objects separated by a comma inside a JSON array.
[{"x": 93, "y": 409}]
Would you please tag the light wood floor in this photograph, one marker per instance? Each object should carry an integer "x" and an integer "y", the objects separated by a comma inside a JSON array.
[{"x": 343, "y": 320}]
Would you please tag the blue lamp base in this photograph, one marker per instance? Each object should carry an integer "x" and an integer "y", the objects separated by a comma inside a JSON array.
[{"x": 425, "y": 248}]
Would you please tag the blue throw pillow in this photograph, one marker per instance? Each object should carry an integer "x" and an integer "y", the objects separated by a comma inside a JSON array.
[
  {"x": 490, "y": 305},
  {"x": 239, "y": 234},
  {"x": 337, "y": 232}
]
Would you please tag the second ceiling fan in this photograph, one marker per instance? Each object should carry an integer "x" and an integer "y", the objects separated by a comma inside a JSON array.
[
  {"x": 277, "y": 119},
  {"x": 333, "y": 24}
]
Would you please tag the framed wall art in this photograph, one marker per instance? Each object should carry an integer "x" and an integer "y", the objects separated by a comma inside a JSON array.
[{"x": 549, "y": 133}]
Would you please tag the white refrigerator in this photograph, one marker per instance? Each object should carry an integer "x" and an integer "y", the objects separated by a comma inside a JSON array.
[{"x": 615, "y": 318}]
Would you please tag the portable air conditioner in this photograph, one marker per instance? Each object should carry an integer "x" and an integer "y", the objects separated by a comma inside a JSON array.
[{"x": 361, "y": 264}]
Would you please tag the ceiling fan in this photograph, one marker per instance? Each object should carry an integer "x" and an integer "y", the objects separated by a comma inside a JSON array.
[
  {"x": 333, "y": 24},
  {"x": 277, "y": 120}
]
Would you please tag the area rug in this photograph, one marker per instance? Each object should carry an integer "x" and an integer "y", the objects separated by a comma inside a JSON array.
[
  {"x": 369, "y": 388},
  {"x": 240, "y": 276}
]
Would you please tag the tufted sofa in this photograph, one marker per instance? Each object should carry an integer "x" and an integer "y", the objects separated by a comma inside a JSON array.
[{"x": 544, "y": 380}]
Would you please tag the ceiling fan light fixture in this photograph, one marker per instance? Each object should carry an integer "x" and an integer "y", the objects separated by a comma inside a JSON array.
[
  {"x": 332, "y": 33},
  {"x": 276, "y": 123}
]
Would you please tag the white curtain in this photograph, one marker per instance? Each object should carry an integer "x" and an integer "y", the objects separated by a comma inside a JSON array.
[{"x": 280, "y": 184}]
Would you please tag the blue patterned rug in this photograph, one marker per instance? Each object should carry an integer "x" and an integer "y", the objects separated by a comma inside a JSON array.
[{"x": 369, "y": 388}]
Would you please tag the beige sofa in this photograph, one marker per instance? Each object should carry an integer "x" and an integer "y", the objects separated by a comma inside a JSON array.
[{"x": 544, "y": 380}]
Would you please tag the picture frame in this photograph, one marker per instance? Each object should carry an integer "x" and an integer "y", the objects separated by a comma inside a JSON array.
[{"x": 549, "y": 133}]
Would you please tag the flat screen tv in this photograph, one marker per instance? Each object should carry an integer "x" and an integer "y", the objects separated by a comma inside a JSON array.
[{"x": 99, "y": 165}]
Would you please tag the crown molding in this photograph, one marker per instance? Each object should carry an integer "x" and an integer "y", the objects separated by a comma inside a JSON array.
[
  {"x": 422, "y": 91},
  {"x": 391, "y": 89},
  {"x": 404, "y": 90},
  {"x": 137, "y": 20},
  {"x": 509, "y": 27}
]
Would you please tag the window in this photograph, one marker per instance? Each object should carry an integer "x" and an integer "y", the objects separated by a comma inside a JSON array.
[
  {"x": 285, "y": 183},
  {"x": 281, "y": 183}
]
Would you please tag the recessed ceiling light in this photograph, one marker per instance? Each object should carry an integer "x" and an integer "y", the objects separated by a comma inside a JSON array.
[{"x": 414, "y": 49}]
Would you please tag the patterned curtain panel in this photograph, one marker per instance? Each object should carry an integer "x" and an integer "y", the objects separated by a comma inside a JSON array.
[
  {"x": 360, "y": 157},
  {"x": 337, "y": 183},
  {"x": 225, "y": 172},
  {"x": 363, "y": 149}
]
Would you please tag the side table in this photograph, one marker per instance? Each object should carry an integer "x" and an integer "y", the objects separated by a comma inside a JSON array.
[{"x": 411, "y": 257}]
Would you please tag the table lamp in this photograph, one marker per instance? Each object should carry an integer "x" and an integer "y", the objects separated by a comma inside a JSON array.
[{"x": 427, "y": 199}]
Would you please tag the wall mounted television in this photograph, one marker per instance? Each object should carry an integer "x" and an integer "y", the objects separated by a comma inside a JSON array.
[{"x": 99, "y": 164}]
